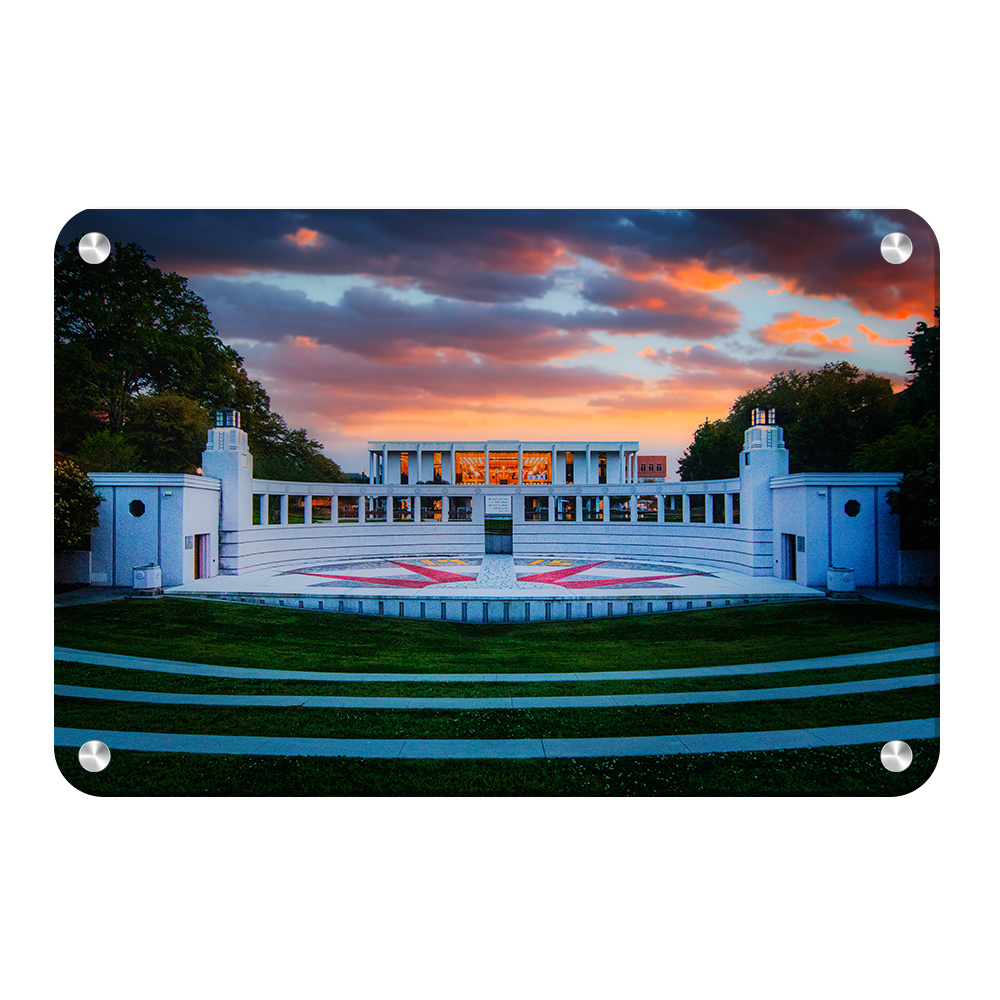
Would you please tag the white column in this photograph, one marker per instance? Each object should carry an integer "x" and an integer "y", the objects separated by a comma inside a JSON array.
[
  {"x": 621, "y": 463},
  {"x": 453, "y": 463},
  {"x": 309, "y": 508},
  {"x": 659, "y": 508},
  {"x": 520, "y": 467},
  {"x": 265, "y": 504},
  {"x": 420, "y": 472},
  {"x": 283, "y": 501},
  {"x": 385, "y": 462},
  {"x": 444, "y": 508},
  {"x": 686, "y": 508},
  {"x": 729, "y": 508},
  {"x": 578, "y": 507},
  {"x": 362, "y": 500},
  {"x": 587, "y": 460},
  {"x": 486, "y": 463}
]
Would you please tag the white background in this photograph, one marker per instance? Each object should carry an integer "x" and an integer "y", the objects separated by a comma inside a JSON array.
[{"x": 551, "y": 105}]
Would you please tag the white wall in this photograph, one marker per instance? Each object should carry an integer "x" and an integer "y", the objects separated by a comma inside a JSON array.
[
  {"x": 175, "y": 506},
  {"x": 812, "y": 506}
]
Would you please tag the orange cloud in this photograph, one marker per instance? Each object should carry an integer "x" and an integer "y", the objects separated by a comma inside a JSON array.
[
  {"x": 788, "y": 286},
  {"x": 794, "y": 328},
  {"x": 694, "y": 277},
  {"x": 877, "y": 338},
  {"x": 303, "y": 237}
]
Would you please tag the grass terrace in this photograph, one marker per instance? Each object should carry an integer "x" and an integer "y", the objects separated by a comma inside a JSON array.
[{"x": 252, "y": 636}]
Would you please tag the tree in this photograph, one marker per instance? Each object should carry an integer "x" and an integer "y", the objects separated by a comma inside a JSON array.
[
  {"x": 915, "y": 446},
  {"x": 168, "y": 432},
  {"x": 826, "y": 415},
  {"x": 291, "y": 455},
  {"x": 137, "y": 356},
  {"x": 714, "y": 452},
  {"x": 124, "y": 327},
  {"x": 103, "y": 451},
  {"x": 76, "y": 506},
  {"x": 923, "y": 391},
  {"x": 917, "y": 504}
]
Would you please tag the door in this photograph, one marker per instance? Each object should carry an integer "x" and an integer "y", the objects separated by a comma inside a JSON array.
[
  {"x": 202, "y": 557},
  {"x": 788, "y": 557}
]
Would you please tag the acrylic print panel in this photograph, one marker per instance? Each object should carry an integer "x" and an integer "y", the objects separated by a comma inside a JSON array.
[{"x": 362, "y": 502}]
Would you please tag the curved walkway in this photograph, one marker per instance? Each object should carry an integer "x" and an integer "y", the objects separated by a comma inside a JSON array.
[
  {"x": 922, "y": 651},
  {"x": 626, "y": 746},
  {"x": 571, "y": 701}
]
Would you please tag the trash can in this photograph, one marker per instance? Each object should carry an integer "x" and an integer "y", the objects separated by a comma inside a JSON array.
[
  {"x": 147, "y": 579},
  {"x": 840, "y": 579}
]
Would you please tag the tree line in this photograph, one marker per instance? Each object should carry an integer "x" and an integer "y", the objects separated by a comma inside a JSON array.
[
  {"x": 839, "y": 418},
  {"x": 140, "y": 371}
]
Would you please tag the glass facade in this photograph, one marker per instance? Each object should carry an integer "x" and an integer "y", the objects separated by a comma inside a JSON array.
[
  {"x": 470, "y": 467},
  {"x": 503, "y": 468},
  {"x": 537, "y": 468}
]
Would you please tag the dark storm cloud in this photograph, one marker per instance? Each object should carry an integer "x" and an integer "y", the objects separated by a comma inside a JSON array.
[
  {"x": 374, "y": 323},
  {"x": 507, "y": 256}
]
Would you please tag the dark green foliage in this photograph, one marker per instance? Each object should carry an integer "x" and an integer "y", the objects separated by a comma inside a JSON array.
[
  {"x": 125, "y": 327},
  {"x": 168, "y": 432},
  {"x": 102, "y": 451},
  {"x": 826, "y": 415},
  {"x": 76, "y": 506},
  {"x": 714, "y": 453},
  {"x": 291, "y": 455},
  {"x": 917, "y": 504},
  {"x": 136, "y": 354},
  {"x": 910, "y": 446}
]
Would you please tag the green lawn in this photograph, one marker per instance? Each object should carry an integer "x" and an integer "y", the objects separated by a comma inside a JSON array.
[
  {"x": 253, "y": 636},
  {"x": 501, "y": 724},
  {"x": 821, "y": 771},
  {"x": 126, "y": 679}
]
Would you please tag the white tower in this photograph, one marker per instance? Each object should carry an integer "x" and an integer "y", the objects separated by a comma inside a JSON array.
[
  {"x": 227, "y": 457},
  {"x": 764, "y": 455}
]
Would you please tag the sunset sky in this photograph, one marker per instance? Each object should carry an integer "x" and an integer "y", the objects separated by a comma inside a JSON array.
[{"x": 568, "y": 324}]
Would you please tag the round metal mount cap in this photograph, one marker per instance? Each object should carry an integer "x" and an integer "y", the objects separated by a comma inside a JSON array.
[
  {"x": 896, "y": 248},
  {"x": 94, "y": 248},
  {"x": 896, "y": 756},
  {"x": 94, "y": 756}
]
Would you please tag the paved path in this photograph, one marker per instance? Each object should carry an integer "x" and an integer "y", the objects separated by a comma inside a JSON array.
[
  {"x": 574, "y": 701},
  {"x": 921, "y": 651},
  {"x": 626, "y": 746}
]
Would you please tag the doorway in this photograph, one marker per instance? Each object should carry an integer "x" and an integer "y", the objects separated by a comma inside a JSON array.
[
  {"x": 788, "y": 568},
  {"x": 202, "y": 557}
]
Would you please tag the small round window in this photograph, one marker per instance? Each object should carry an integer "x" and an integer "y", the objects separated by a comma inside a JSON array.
[
  {"x": 137, "y": 508},
  {"x": 852, "y": 508}
]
